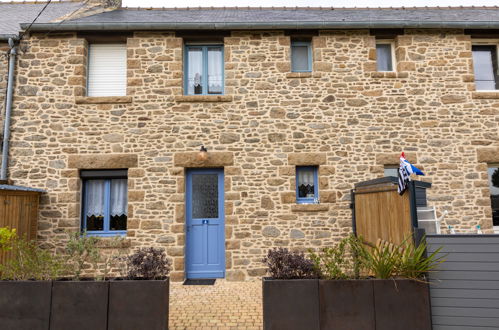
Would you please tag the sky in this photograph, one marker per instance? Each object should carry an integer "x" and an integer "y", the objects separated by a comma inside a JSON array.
[{"x": 304, "y": 3}]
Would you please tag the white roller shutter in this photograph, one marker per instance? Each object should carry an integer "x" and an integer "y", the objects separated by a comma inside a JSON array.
[{"x": 107, "y": 70}]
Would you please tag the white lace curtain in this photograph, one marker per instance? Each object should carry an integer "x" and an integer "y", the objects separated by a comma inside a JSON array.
[
  {"x": 306, "y": 177},
  {"x": 119, "y": 197},
  {"x": 215, "y": 70},
  {"x": 95, "y": 191},
  {"x": 96, "y": 197}
]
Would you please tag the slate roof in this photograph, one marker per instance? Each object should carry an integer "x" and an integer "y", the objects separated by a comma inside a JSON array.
[
  {"x": 276, "y": 15},
  {"x": 14, "y": 13},
  {"x": 20, "y": 188}
]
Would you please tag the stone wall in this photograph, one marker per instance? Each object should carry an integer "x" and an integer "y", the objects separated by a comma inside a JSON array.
[{"x": 344, "y": 117}]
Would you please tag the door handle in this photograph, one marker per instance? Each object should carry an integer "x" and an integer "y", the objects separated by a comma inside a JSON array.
[{"x": 205, "y": 222}]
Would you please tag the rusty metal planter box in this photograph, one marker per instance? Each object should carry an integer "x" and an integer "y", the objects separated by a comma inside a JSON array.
[
  {"x": 25, "y": 305},
  {"x": 138, "y": 304},
  {"x": 346, "y": 304},
  {"x": 402, "y": 304},
  {"x": 79, "y": 305},
  {"x": 290, "y": 304}
]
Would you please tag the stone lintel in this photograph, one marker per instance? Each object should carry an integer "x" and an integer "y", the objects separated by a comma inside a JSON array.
[
  {"x": 485, "y": 95},
  {"x": 393, "y": 158},
  {"x": 307, "y": 158},
  {"x": 309, "y": 207},
  {"x": 203, "y": 98},
  {"x": 102, "y": 99},
  {"x": 103, "y": 161},
  {"x": 215, "y": 159},
  {"x": 488, "y": 155}
]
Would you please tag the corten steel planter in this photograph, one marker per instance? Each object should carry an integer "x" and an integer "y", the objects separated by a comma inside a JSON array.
[
  {"x": 346, "y": 304},
  {"x": 290, "y": 304},
  {"x": 402, "y": 304},
  {"x": 79, "y": 305},
  {"x": 138, "y": 304},
  {"x": 25, "y": 305}
]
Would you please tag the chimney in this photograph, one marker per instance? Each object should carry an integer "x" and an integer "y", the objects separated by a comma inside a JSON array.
[{"x": 106, "y": 3}]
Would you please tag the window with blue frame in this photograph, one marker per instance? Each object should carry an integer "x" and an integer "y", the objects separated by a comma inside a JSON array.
[
  {"x": 105, "y": 202},
  {"x": 307, "y": 184},
  {"x": 204, "y": 70},
  {"x": 301, "y": 56}
]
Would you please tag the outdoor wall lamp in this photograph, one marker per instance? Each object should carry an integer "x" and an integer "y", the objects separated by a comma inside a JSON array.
[{"x": 203, "y": 154}]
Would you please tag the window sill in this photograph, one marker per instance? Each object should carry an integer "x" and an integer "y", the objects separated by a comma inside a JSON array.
[
  {"x": 309, "y": 208},
  {"x": 113, "y": 243},
  {"x": 203, "y": 98},
  {"x": 389, "y": 74},
  {"x": 102, "y": 99},
  {"x": 485, "y": 95},
  {"x": 299, "y": 75}
]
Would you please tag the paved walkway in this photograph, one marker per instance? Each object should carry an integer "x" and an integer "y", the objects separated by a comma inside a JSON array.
[{"x": 225, "y": 305}]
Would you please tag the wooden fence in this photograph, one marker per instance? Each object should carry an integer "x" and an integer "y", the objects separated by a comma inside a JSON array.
[
  {"x": 380, "y": 213},
  {"x": 465, "y": 291},
  {"x": 19, "y": 210}
]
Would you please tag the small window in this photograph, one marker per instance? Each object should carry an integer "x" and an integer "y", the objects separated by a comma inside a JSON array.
[
  {"x": 204, "y": 70},
  {"x": 307, "y": 185},
  {"x": 105, "y": 202},
  {"x": 106, "y": 70},
  {"x": 493, "y": 174},
  {"x": 301, "y": 56},
  {"x": 384, "y": 56},
  {"x": 391, "y": 170},
  {"x": 485, "y": 67}
]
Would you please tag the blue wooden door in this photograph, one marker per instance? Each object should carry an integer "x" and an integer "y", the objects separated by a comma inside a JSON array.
[{"x": 205, "y": 232}]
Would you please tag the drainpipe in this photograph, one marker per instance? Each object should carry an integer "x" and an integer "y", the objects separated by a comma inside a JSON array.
[{"x": 8, "y": 110}]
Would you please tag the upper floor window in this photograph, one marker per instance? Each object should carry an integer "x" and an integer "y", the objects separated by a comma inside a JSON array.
[
  {"x": 204, "y": 70},
  {"x": 385, "y": 55},
  {"x": 307, "y": 184},
  {"x": 105, "y": 202},
  {"x": 485, "y": 67},
  {"x": 391, "y": 170},
  {"x": 301, "y": 56},
  {"x": 493, "y": 174},
  {"x": 106, "y": 70}
]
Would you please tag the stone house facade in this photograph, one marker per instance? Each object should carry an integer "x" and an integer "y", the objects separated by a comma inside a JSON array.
[{"x": 344, "y": 118}]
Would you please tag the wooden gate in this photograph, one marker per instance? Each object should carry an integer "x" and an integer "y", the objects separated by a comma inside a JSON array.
[
  {"x": 19, "y": 210},
  {"x": 379, "y": 212}
]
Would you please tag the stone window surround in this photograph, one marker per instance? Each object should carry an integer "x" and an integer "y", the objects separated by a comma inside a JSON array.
[
  {"x": 81, "y": 94},
  {"x": 400, "y": 67},
  {"x": 73, "y": 198},
  {"x": 390, "y": 42},
  {"x": 485, "y": 94},
  {"x": 288, "y": 173}
]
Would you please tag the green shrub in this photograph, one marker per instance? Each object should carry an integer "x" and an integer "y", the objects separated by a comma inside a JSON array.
[
  {"x": 81, "y": 249},
  {"x": 28, "y": 261},
  {"x": 353, "y": 258},
  {"x": 6, "y": 237},
  {"x": 332, "y": 263}
]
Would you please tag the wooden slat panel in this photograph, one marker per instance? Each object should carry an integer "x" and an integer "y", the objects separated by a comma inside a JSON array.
[
  {"x": 465, "y": 292},
  {"x": 467, "y": 321},
  {"x": 19, "y": 210},
  {"x": 383, "y": 215},
  {"x": 465, "y": 302},
  {"x": 459, "y": 327}
]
